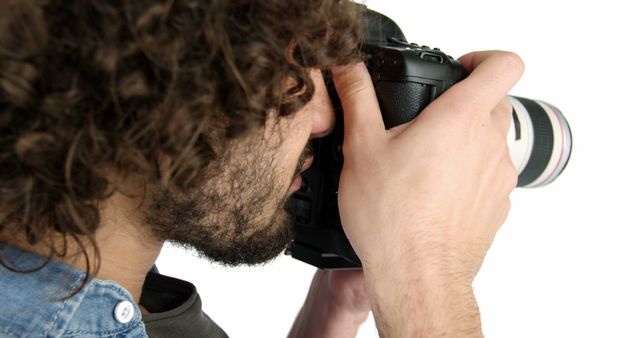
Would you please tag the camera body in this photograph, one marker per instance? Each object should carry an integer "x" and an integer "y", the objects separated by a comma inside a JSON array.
[{"x": 406, "y": 77}]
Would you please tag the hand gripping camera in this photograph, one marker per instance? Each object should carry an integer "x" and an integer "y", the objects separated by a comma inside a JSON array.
[{"x": 407, "y": 77}]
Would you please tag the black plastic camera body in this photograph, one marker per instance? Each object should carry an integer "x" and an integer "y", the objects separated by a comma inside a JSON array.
[{"x": 406, "y": 77}]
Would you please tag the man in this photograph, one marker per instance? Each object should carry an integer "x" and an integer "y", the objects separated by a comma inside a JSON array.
[{"x": 129, "y": 123}]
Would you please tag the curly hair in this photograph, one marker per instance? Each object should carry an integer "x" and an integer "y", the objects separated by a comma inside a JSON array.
[{"x": 92, "y": 87}]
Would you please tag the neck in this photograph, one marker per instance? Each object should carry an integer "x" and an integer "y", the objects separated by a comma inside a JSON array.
[{"x": 127, "y": 250}]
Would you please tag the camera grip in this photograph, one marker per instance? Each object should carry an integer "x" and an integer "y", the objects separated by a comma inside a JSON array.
[{"x": 401, "y": 102}]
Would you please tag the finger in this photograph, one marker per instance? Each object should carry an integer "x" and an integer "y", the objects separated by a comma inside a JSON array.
[
  {"x": 362, "y": 117},
  {"x": 492, "y": 75},
  {"x": 492, "y": 72},
  {"x": 502, "y": 116},
  {"x": 510, "y": 177}
]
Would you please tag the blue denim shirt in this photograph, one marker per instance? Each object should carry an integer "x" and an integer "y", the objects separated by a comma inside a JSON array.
[{"x": 36, "y": 304}]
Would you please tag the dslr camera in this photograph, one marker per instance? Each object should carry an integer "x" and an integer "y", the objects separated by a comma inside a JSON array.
[{"x": 407, "y": 77}]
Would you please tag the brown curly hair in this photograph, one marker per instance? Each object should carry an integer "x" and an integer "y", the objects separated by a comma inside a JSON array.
[{"x": 89, "y": 87}]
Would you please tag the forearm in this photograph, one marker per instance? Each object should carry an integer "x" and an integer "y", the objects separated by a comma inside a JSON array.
[
  {"x": 321, "y": 321},
  {"x": 325, "y": 314},
  {"x": 423, "y": 305}
]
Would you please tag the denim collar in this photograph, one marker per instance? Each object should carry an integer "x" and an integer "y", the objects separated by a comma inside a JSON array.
[{"x": 37, "y": 304}]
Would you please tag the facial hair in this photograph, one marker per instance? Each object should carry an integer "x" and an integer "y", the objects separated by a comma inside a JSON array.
[{"x": 236, "y": 217}]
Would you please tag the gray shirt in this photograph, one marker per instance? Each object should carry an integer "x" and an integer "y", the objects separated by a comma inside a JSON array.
[{"x": 176, "y": 309}]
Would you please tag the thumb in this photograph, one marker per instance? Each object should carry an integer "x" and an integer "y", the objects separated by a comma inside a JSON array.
[{"x": 363, "y": 123}]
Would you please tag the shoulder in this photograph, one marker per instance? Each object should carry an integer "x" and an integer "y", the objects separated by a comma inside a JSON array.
[{"x": 49, "y": 301}]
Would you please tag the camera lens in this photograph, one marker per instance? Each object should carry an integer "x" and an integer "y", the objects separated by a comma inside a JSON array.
[{"x": 539, "y": 141}]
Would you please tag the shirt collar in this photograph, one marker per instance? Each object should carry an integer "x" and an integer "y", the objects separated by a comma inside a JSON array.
[{"x": 43, "y": 302}]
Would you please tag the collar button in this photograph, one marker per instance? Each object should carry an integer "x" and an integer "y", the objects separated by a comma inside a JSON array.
[{"x": 124, "y": 312}]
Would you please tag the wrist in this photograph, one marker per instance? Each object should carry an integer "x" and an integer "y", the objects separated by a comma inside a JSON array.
[
  {"x": 433, "y": 263},
  {"x": 341, "y": 315},
  {"x": 423, "y": 303}
]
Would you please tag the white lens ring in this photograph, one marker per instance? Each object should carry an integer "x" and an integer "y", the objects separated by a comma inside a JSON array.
[{"x": 540, "y": 148}]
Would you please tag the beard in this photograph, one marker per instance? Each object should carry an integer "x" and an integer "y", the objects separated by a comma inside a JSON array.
[{"x": 237, "y": 216}]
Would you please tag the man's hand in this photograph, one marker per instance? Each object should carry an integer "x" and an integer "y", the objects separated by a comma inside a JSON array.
[
  {"x": 336, "y": 305},
  {"x": 421, "y": 203}
]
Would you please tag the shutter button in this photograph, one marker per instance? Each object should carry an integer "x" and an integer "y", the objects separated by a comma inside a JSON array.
[{"x": 124, "y": 312}]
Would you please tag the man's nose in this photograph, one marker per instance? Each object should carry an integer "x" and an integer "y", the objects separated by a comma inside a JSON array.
[{"x": 324, "y": 118}]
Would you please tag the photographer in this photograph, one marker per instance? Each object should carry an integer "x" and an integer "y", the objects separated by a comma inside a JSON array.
[{"x": 128, "y": 124}]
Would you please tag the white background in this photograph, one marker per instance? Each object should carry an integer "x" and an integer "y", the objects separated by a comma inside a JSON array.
[{"x": 565, "y": 263}]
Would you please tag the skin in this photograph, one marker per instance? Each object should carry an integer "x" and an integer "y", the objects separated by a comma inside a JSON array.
[
  {"x": 129, "y": 239},
  {"x": 420, "y": 226},
  {"x": 423, "y": 226}
]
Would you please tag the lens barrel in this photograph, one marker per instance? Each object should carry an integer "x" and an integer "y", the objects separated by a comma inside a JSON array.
[
  {"x": 407, "y": 77},
  {"x": 539, "y": 140}
]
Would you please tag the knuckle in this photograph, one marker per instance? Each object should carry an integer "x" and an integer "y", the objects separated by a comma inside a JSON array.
[
  {"x": 510, "y": 174},
  {"x": 351, "y": 82},
  {"x": 507, "y": 207},
  {"x": 351, "y": 88},
  {"x": 499, "y": 144},
  {"x": 505, "y": 106},
  {"x": 503, "y": 114},
  {"x": 513, "y": 62},
  {"x": 502, "y": 111}
]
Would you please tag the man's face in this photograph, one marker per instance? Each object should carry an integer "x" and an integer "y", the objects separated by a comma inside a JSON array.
[{"x": 238, "y": 215}]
